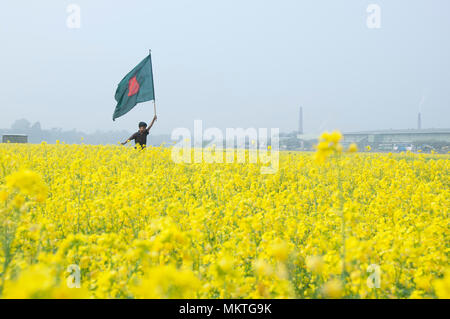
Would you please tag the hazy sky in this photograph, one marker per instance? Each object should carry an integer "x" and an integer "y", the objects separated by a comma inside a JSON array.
[{"x": 233, "y": 63}]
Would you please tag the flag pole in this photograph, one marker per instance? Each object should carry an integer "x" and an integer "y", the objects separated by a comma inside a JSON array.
[{"x": 154, "y": 97}]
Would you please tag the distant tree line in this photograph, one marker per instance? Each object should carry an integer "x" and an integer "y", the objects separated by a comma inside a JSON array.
[{"x": 37, "y": 135}]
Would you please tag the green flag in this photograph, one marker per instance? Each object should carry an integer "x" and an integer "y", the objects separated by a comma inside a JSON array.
[{"x": 136, "y": 87}]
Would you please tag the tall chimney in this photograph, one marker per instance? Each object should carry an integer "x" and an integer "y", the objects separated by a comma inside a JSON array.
[
  {"x": 419, "y": 121},
  {"x": 300, "y": 121}
]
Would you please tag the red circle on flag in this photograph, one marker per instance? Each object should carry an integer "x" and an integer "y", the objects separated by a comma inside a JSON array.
[{"x": 133, "y": 86}]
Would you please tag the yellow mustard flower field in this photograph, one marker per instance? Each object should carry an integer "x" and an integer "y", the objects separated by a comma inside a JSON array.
[{"x": 82, "y": 221}]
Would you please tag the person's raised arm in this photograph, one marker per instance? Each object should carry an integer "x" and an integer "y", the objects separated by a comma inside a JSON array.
[
  {"x": 132, "y": 137},
  {"x": 151, "y": 124}
]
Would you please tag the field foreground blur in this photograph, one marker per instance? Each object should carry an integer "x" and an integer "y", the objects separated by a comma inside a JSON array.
[{"x": 138, "y": 225}]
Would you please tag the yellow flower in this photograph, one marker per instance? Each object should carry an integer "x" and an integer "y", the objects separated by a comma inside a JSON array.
[
  {"x": 224, "y": 265},
  {"x": 167, "y": 282},
  {"x": 279, "y": 250},
  {"x": 352, "y": 148},
  {"x": 442, "y": 286},
  {"x": 262, "y": 268},
  {"x": 39, "y": 281},
  {"x": 28, "y": 182},
  {"x": 423, "y": 282},
  {"x": 315, "y": 264},
  {"x": 325, "y": 136},
  {"x": 332, "y": 289},
  {"x": 84, "y": 262},
  {"x": 335, "y": 137},
  {"x": 18, "y": 201},
  {"x": 3, "y": 195},
  {"x": 328, "y": 143}
]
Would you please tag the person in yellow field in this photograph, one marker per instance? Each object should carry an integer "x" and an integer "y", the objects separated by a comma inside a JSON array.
[{"x": 140, "y": 137}]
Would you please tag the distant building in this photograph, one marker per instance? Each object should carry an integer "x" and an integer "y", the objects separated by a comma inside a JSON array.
[
  {"x": 15, "y": 138},
  {"x": 300, "y": 121},
  {"x": 399, "y": 136},
  {"x": 394, "y": 140},
  {"x": 402, "y": 140}
]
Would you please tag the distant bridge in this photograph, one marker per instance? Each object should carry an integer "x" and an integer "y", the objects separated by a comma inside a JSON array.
[
  {"x": 399, "y": 136},
  {"x": 387, "y": 140}
]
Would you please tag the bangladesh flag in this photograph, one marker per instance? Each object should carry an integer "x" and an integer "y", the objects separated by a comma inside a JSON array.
[{"x": 136, "y": 87}]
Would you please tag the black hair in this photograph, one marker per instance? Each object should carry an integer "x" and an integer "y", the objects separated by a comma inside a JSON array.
[{"x": 142, "y": 124}]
